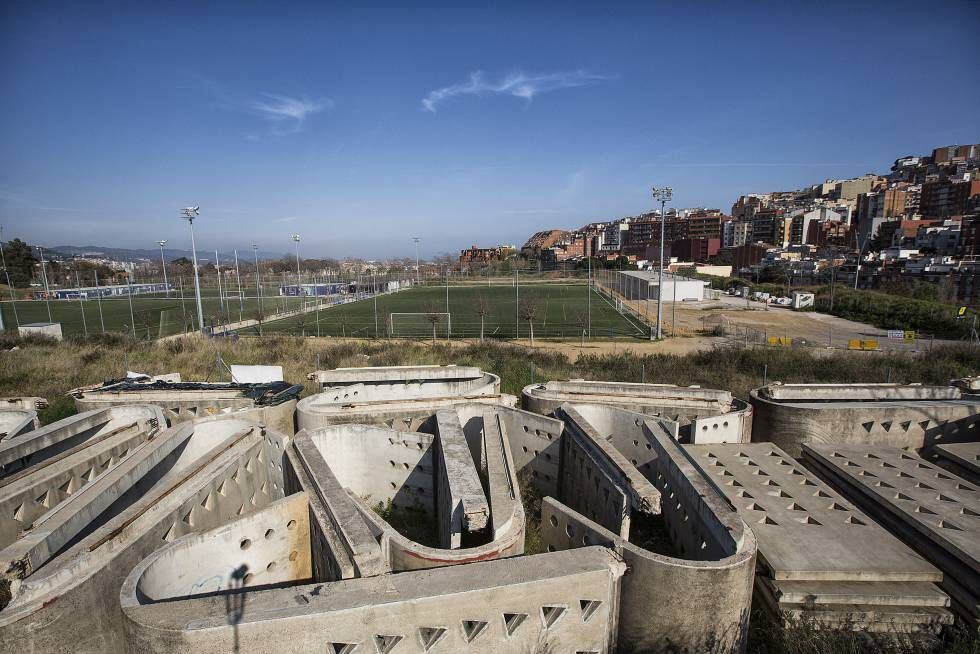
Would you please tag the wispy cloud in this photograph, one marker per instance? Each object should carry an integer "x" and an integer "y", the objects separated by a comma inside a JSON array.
[
  {"x": 287, "y": 219},
  {"x": 520, "y": 85},
  {"x": 288, "y": 114}
]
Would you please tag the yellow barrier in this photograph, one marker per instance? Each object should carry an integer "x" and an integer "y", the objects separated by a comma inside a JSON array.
[
  {"x": 783, "y": 341},
  {"x": 858, "y": 344}
]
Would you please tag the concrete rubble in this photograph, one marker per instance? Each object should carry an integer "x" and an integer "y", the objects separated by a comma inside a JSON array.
[
  {"x": 928, "y": 507},
  {"x": 415, "y": 509},
  {"x": 819, "y": 555},
  {"x": 900, "y": 415}
]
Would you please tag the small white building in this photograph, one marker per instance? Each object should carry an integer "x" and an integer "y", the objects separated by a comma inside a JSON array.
[{"x": 644, "y": 284}]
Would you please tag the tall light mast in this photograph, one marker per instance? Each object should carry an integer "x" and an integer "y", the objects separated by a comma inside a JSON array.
[{"x": 190, "y": 213}]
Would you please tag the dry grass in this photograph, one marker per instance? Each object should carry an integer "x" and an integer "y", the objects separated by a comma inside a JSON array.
[{"x": 50, "y": 369}]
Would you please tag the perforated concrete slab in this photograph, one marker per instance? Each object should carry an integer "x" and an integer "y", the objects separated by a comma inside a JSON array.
[
  {"x": 964, "y": 457},
  {"x": 806, "y": 530},
  {"x": 938, "y": 504}
]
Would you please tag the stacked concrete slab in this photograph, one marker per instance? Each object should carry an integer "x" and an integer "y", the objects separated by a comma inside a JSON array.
[
  {"x": 961, "y": 458},
  {"x": 94, "y": 494},
  {"x": 912, "y": 416},
  {"x": 399, "y": 397},
  {"x": 272, "y": 404},
  {"x": 931, "y": 509},
  {"x": 703, "y": 415},
  {"x": 819, "y": 555}
]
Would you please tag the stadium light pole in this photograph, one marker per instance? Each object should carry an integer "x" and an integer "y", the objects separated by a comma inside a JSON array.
[
  {"x": 298, "y": 280},
  {"x": 190, "y": 213},
  {"x": 44, "y": 278},
  {"x": 258, "y": 287},
  {"x": 418, "y": 268},
  {"x": 665, "y": 194},
  {"x": 163, "y": 262}
]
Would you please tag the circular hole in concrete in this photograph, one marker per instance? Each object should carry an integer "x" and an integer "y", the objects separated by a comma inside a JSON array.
[
  {"x": 570, "y": 531},
  {"x": 270, "y": 567},
  {"x": 269, "y": 533},
  {"x": 291, "y": 524},
  {"x": 245, "y": 544},
  {"x": 293, "y": 556},
  {"x": 554, "y": 521},
  {"x": 247, "y": 579},
  {"x": 526, "y": 429}
]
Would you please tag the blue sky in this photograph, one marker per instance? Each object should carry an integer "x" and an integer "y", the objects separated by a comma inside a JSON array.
[{"x": 361, "y": 127}]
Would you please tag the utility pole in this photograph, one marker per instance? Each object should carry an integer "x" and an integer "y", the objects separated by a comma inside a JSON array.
[
  {"x": 298, "y": 280},
  {"x": 241, "y": 298},
  {"x": 98, "y": 299},
  {"x": 44, "y": 278},
  {"x": 163, "y": 262},
  {"x": 665, "y": 194},
  {"x": 517, "y": 307},
  {"x": 190, "y": 213},
  {"x": 81, "y": 307},
  {"x": 221, "y": 296},
  {"x": 258, "y": 285},
  {"x": 418, "y": 269},
  {"x": 588, "y": 294}
]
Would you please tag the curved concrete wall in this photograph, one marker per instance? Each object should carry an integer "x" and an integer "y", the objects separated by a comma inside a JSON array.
[
  {"x": 698, "y": 601},
  {"x": 561, "y": 602},
  {"x": 347, "y": 469},
  {"x": 15, "y": 420},
  {"x": 182, "y": 405},
  {"x": 399, "y": 397},
  {"x": 703, "y": 415},
  {"x": 216, "y": 470},
  {"x": 909, "y": 416}
]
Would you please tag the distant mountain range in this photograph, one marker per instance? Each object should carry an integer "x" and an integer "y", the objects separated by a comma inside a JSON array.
[{"x": 126, "y": 254}]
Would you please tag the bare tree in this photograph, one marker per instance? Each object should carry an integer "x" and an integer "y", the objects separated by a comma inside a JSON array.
[
  {"x": 481, "y": 306},
  {"x": 529, "y": 311},
  {"x": 433, "y": 315}
]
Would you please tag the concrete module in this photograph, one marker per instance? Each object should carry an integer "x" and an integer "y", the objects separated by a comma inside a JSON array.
[
  {"x": 703, "y": 415},
  {"x": 819, "y": 555},
  {"x": 929, "y": 508},
  {"x": 912, "y": 415},
  {"x": 399, "y": 397},
  {"x": 19, "y": 415},
  {"x": 76, "y": 521},
  {"x": 272, "y": 404}
]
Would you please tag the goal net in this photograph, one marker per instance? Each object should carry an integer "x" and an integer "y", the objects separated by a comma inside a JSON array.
[{"x": 420, "y": 325}]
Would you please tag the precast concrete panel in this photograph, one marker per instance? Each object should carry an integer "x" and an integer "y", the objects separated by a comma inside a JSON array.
[
  {"x": 715, "y": 559},
  {"x": 811, "y": 538},
  {"x": 911, "y": 416},
  {"x": 929, "y": 508},
  {"x": 963, "y": 459},
  {"x": 561, "y": 602},
  {"x": 221, "y": 469},
  {"x": 702, "y": 414}
]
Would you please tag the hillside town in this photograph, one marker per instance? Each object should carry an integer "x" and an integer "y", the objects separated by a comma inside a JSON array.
[{"x": 919, "y": 222}]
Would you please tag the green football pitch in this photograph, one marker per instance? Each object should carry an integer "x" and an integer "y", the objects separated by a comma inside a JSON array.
[
  {"x": 562, "y": 312},
  {"x": 153, "y": 316}
]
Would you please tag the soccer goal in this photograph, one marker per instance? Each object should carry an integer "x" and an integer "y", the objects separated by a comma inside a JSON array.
[{"x": 420, "y": 325}]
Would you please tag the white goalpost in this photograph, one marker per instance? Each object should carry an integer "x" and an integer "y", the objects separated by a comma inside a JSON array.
[{"x": 417, "y": 325}]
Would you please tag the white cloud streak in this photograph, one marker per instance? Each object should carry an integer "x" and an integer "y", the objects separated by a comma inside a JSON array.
[
  {"x": 287, "y": 114},
  {"x": 520, "y": 85}
]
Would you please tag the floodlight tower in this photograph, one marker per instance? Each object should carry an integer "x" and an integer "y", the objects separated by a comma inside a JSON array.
[
  {"x": 418, "y": 269},
  {"x": 258, "y": 287},
  {"x": 665, "y": 194},
  {"x": 190, "y": 213},
  {"x": 163, "y": 262},
  {"x": 298, "y": 280}
]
